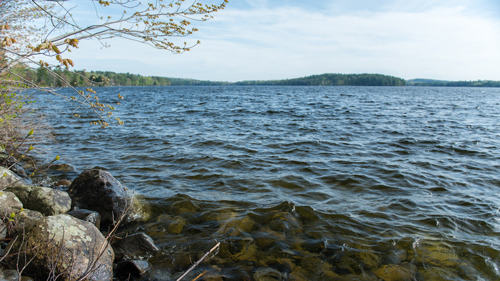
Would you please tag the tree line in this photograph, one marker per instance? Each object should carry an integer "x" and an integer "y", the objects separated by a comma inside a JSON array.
[
  {"x": 435, "y": 83},
  {"x": 62, "y": 77}
]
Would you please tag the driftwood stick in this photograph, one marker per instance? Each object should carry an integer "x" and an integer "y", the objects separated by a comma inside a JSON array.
[
  {"x": 201, "y": 274},
  {"x": 198, "y": 262}
]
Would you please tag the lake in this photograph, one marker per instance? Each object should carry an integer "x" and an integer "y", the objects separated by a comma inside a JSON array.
[{"x": 304, "y": 183}]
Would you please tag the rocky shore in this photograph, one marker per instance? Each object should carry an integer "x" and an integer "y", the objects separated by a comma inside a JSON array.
[{"x": 67, "y": 231}]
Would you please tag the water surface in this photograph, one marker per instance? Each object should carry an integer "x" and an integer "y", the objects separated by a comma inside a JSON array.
[{"x": 305, "y": 183}]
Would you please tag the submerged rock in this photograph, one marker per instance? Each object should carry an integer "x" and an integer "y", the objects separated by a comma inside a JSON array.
[
  {"x": 99, "y": 191},
  {"x": 47, "y": 201},
  {"x": 135, "y": 246},
  {"x": 63, "y": 245},
  {"x": 394, "y": 272},
  {"x": 267, "y": 274}
]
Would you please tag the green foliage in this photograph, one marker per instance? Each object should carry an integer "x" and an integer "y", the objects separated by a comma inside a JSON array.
[{"x": 81, "y": 78}]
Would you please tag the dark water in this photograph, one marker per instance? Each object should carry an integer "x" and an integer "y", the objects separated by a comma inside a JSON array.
[{"x": 306, "y": 183}]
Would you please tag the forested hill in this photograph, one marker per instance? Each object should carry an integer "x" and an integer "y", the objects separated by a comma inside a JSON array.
[
  {"x": 314, "y": 80},
  {"x": 333, "y": 80}
]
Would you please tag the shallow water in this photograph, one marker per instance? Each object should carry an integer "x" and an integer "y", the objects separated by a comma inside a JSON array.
[{"x": 305, "y": 183}]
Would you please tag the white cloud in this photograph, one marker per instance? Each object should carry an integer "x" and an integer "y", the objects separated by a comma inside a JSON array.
[{"x": 286, "y": 42}]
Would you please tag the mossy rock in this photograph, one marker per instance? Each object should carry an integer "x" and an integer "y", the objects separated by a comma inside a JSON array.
[
  {"x": 47, "y": 201},
  {"x": 394, "y": 272},
  {"x": 266, "y": 237},
  {"x": 67, "y": 245}
]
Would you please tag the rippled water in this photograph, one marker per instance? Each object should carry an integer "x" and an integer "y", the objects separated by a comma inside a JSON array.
[{"x": 306, "y": 183}]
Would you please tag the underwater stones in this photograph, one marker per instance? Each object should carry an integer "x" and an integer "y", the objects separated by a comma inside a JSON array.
[
  {"x": 63, "y": 245},
  {"x": 99, "y": 191},
  {"x": 248, "y": 252},
  {"x": 267, "y": 274},
  {"x": 394, "y": 272},
  {"x": 47, "y": 201},
  {"x": 132, "y": 267},
  {"x": 87, "y": 215},
  {"x": 134, "y": 247},
  {"x": 237, "y": 225},
  {"x": 430, "y": 253},
  {"x": 175, "y": 225},
  {"x": 266, "y": 238}
]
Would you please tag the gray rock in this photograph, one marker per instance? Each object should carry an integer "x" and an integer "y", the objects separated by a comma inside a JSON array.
[
  {"x": 9, "y": 203},
  {"x": 8, "y": 178},
  {"x": 61, "y": 168},
  {"x": 132, "y": 267},
  {"x": 11, "y": 275},
  {"x": 135, "y": 246},
  {"x": 12, "y": 164},
  {"x": 70, "y": 246},
  {"x": 47, "y": 201},
  {"x": 99, "y": 191},
  {"x": 26, "y": 216},
  {"x": 91, "y": 216}
]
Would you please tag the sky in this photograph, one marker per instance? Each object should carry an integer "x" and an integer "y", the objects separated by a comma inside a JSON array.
[{"x": 279, "y": 39}]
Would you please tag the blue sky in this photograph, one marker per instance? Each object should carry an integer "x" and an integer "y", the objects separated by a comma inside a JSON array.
[{"x": 264, "y": 39}]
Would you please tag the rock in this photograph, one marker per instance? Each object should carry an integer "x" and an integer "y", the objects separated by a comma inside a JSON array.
[
  {"x": 132, "y": 267},
  {"x": 175, "y": 225},
  {"x": 68, "y": 245},
  {"x": 267, "y": 274},
  {"x": 12, "y": 164},
  {"x": 99, "y": 191},
  {"x": 8, "y": 178},
  {"x": 160, "y": 275},
  {"x": 237, "y": 225},
  {"x": 9, "y": 203},
  {"x": 91, "y": 216},
  {"x": 394, "y": 272},
  {"x": 47, "y": 201},
  {"x": 63, "y": 183},
  {"x": 61, "y": 168},
  {"x": 11, "y": 275},
  {"x": 25, "y": 217},
  {"x": 135, "y": 246},
  {"x": 266, "y": 237}
]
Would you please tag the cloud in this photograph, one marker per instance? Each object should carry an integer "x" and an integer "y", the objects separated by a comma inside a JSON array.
[{"x": 273, "y": 42}]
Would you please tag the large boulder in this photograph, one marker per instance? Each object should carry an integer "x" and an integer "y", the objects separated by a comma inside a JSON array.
[
  {"x": 62, "y": 245},
  {"x": 99, "y": 191},
  {"x": 47, "y": 201}
]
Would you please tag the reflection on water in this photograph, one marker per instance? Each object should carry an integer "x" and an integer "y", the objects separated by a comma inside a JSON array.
[{"x": 306, "y": 183}]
